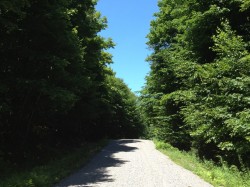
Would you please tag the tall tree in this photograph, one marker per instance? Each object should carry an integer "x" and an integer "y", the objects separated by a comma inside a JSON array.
[
  {"x": 55, "y": 86},
  {"x": 199, "y": 67}
]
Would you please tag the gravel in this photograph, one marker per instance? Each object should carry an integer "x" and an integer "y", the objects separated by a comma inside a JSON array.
[{"x": 132, "y": 163}]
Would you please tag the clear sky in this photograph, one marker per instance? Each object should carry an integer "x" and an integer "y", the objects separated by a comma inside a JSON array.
[{"x": 128, "y": 26}]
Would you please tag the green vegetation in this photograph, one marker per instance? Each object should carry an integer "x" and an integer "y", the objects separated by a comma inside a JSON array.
[
  {"x": 57, "y": 91},
  {"x": 198, "y": 91},
  {"x": 56, "y": 88},
  {"x": 218, "y": 176},
  {"x": 49, "y": 173}
]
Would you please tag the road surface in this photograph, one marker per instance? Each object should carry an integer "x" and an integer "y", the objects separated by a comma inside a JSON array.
[{"x": 132, "y": 163}]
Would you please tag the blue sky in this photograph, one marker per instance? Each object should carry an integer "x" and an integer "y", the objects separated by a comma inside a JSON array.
[{"x": 128, "y": 25}]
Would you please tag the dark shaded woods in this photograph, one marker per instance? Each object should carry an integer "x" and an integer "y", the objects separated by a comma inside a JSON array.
[{"x": 56, "y": 89}]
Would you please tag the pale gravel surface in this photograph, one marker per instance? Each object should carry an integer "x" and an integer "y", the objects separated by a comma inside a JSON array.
[{"x": 132, "y": 163}]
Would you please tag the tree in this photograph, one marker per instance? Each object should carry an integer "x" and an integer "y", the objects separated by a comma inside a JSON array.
[
  {"x": 198, "y": 74},
  {"x": 220, "y": 117},
  {"x": 56, "y": 89}
]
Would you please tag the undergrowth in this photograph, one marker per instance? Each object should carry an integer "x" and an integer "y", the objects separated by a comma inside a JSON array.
[
  {"x": 219, "y": 176},
  {"x": 50, "y": 173}
]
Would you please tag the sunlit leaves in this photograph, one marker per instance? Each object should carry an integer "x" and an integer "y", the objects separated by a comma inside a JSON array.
[
  {"x": 200, "y": 67},
  {"x": 228, "y": 44}
]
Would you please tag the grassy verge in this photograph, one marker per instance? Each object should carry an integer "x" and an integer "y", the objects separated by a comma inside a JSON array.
[
  {"x": 219, "y": 176},
  {"x": 50, "y": 173}
]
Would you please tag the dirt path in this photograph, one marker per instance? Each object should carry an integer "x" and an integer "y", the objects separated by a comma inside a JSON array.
[{"x": 132, "y": 163}]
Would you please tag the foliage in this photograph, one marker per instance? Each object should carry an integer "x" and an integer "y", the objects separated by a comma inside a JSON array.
[
  {"x": 217, "y": 120},
  {"x": 124, "y": 119},
  {"x": 55, "y": 87},
  {"x": 223, "y": 175},
  {"x": 197, "y": 93},
  {"x": 51, "y": 172}
]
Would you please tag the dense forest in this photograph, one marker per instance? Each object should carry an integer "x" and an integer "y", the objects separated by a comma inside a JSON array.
[
  {"x": 197, "y": 94},
  {"x": 56, "y": 87}
]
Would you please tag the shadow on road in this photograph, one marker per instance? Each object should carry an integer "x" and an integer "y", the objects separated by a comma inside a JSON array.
[{"x": 96, "y": 170}]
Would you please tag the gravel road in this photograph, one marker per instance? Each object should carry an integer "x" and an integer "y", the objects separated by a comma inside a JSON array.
[{"x": 132, "y": 163}]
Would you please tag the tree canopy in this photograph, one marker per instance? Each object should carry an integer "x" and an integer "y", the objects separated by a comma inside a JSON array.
[
  {"x": 197, "y": 92},
  {"x": 55, "y": 85}
]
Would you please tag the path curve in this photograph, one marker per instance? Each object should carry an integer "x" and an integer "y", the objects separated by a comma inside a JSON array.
[{"x": 132, "y": 163}]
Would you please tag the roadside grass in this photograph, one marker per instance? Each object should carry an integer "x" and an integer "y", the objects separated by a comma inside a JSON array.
[
  {"x": 219, "y": 176},
  {"x": 48, "y": 174}
]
